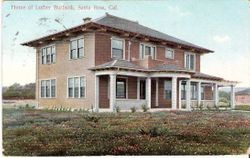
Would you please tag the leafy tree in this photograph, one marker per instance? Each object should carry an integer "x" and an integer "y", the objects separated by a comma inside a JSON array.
[{"x": 17, "y": 91}]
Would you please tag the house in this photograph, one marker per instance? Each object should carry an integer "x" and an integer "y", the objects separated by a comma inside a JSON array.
[
  {"x": 113, "y": 62},
  {"x": 243, "y": 97}
]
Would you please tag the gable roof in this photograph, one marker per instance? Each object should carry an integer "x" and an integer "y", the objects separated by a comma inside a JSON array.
[
  {"x": 121, "y": 24},
  {"x": 243, "y": 92}
]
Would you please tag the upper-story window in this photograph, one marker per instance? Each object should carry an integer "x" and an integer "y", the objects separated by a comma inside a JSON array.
[
  {"x": 190, "y": 61},
  {"x": 48, "y": 54},
  {"x": 117, "y": 48},
  {"x": 77, "y": 48},
  {"x": 147, "y": 50},
  {"x": 169, "y": 53}
]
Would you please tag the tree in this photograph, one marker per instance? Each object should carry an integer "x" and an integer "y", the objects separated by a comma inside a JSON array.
[{"x": 17, "y": 91}]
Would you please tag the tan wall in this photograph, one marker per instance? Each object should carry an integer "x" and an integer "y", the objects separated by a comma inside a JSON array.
[{"x": 64, "y": 68}]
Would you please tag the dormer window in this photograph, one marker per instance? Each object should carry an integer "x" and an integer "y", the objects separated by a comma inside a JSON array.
[
  {"x": 147, "y": 50},
  {"x": 117, "y": 48},
  {"x": 77, "y": 48},
  {"x": 189, "y": 61},
  {"x": 48, "y": 54}
]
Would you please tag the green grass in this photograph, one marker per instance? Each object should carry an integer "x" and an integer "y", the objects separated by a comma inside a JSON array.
[
  {"x": 242, "y": 107},
  {"x": 30, "y": 132}
]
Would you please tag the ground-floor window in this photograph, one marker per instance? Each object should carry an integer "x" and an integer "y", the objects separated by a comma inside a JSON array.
[
  {"x": 193, "y": 91},
  {"x": 167, "y": 90},
  {"x": 76, "y": 87},
  {"x": 202, "y": 93},
  {"x": 48, "y": 88},
  {"x": 142, "y": 89},
  {"x": 183, "y": 90},
  {"x": 121, "y": 88}
]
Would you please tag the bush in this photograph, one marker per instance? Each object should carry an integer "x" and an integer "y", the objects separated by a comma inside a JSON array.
[
  {"x": 92, "y": 118},
  {"x": 133, "y": 109},
  {"x": 144, "y": 108},
  {"x": 153, "y": 132}
]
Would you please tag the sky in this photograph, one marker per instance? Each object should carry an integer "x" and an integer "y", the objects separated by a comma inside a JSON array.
[{"x": 222, "y": 26}]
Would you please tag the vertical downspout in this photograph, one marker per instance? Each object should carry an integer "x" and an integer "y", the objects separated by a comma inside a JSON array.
[{"x": 129, "y": 44}]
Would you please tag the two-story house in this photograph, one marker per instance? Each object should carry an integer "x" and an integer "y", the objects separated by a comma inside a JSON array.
[{"x": 113, "y": 62}]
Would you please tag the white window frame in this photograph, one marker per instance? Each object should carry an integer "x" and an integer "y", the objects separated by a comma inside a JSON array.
[
  {"x": 149, "y": 45},
  {"x": 41, "y": 53},
  {"x": 169, "y": 49},
  {"x": 185, "y": 56},
  {"x": 75, "y": 39},
  {"x": 126, "y": 78},
  {"x": 164, "y": 88},
  {"x": 123, "y": 46},
  {"x": 40, "y": 90},
  {"x": 85, "y": 84}
]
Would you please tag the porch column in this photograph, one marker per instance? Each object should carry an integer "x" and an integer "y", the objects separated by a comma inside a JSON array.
[
  {"x": 180, "y": 94},
  {"x": 156, "y": 92},
  {"x": 96, "y": 108},
  {"x": 199, "y": 93},
  {"x": 138, "y": 88},
  {"x": 188, "y": 96},
  {"x": 216, "y": 96},
  {"x": 174, "y": 93},
  {"x": 148, "y": 95},
  {"x": 112, "y": 84},
  {"x": 232, "y": 97}
]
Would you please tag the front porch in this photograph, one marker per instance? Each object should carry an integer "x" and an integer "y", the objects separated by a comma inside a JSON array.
[{"x": 157, "y": 91}]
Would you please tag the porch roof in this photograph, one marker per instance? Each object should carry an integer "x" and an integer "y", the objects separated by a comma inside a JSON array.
[
  {"x": 124, "y": 64},
  {"x": 200, "y": 75}
]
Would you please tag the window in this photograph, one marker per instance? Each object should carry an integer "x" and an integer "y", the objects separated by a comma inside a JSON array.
[
  {"x": 48, "y": 55},
  {"x": 193, "y": 91},
  {"x": 183, "y": 90},
  {"x": 190, "y": 61},
  {"x": 142, "y": 89},
  {"x": 167, "y": 90},
  {"x": 121, "y": 89},
  {"x": 169, "y": 53},
  {"x": 202, "y": 93},
  {"x": 48, "y": 88},
  {"x": 147, "y": 50},
  {"x": 76, "y": 87},
  {"x": 117, "y": 48},
  {"x": 77, "y": 48}
]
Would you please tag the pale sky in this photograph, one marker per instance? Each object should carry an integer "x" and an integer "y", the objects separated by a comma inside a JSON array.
[{"x": 222, "y": 26}]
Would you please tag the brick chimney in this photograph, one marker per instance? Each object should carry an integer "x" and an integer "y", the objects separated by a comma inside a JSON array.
[{"x": 86, "y": 20}]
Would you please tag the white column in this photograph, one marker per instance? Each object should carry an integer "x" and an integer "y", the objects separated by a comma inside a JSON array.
[
  {"x": 156, "y": 92},
  {"x": 138, "y": 88},
  {"x": 216, "y": 96},
  {"x": 199, "y": 93},
  {"x": 180, "y": 94},
  {"x": 188, "y": 96},
  {"x": 174, "y": 93},
  {"x": 96, "y": 93},
  {"x": 232, "y": 97},
  {"x": 112, "y": 97},
  {"x": 148, "y": 94}
]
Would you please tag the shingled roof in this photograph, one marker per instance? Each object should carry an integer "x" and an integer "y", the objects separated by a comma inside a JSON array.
[
  {"x": 121, "y": 24},
  {"x": 133, "y": 26},
  {"x": 205, "y": 76}
]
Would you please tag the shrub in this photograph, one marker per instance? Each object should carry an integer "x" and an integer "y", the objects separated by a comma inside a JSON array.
[
  {"x": 144, "y": 108},
  {"x": 133, "y": 109},
  {"x": 92, "y": 118},
  {"x": 117, "y": 109},
  {"x": 153, "y": 132}
]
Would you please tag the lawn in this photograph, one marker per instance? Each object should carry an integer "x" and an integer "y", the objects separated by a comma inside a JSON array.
[
  {"x": 242, "y": 107},
  {"x": 43, "y": 132}
]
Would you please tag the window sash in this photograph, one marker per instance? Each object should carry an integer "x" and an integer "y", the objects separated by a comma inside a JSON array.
[
  {"x": 117, "y": 47},
  {"x": 48, "y": 88},
  {"x": 147, "y": 50},
  {"x": 190, "y": 61},
  {"x": 76, "y": 87},
  {"x": 168, "y": 90},
  {"x": 77, "y": 48},
  {"x": 121, "y": 88},
  {"x": 169, "y": 53},
  {"x": 48, "y": 55}
]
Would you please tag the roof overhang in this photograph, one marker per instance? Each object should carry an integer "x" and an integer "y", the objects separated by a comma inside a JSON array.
[{"x": 92, "y": 26}]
